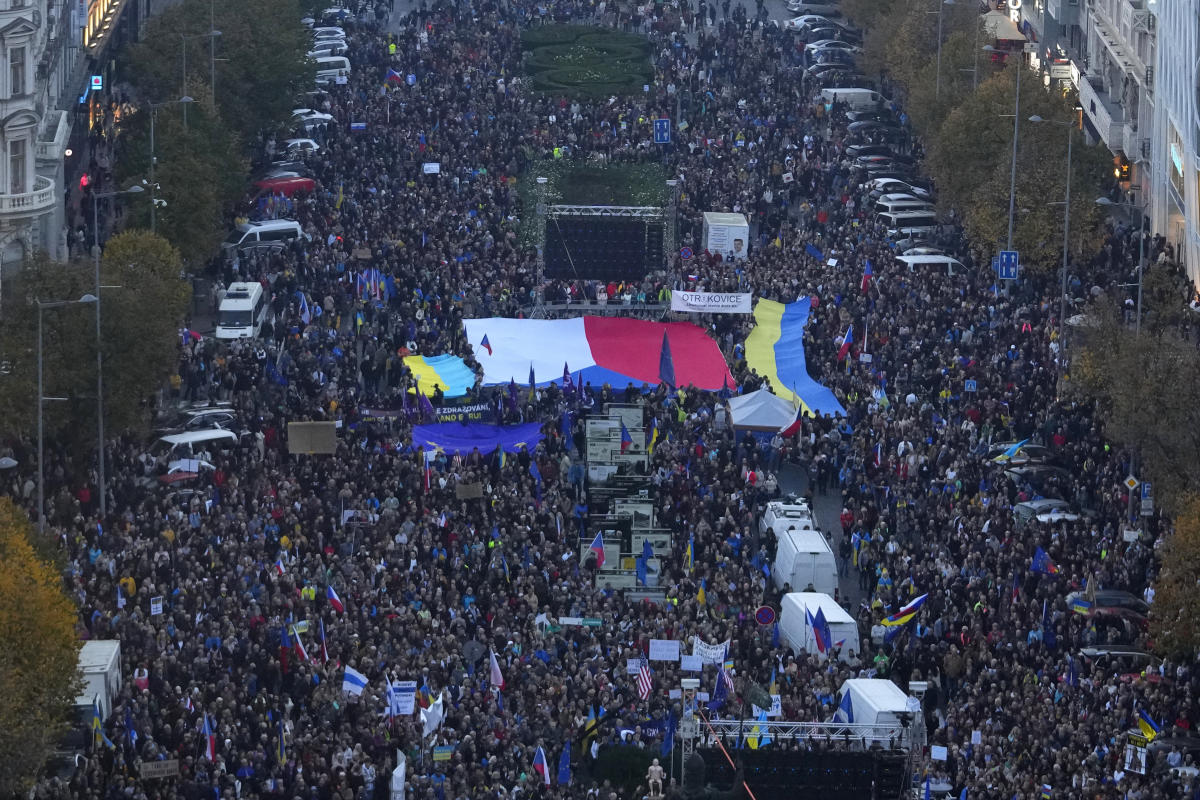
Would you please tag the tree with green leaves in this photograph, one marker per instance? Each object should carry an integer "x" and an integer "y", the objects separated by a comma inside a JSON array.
[
  {"x": 264, "y": 62},
  {"x": 1175, "y": 615},
  {"x": 200, "y": 173},
  {"x": 39, "y": 655},
  {"x": 139, "y": 332}
]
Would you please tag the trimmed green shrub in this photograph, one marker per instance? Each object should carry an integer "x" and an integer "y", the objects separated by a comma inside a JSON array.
[{"x": 586, "y": 62}]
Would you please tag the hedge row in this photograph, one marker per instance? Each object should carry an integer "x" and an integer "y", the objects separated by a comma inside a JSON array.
[{"x": 586, "y": 62}]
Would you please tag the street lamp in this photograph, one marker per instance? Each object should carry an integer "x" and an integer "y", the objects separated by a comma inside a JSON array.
[
  {"x": 1012, "y": 178},
  {"x": 96, "y": 198},
  {"x": 42, "y": 399},
  {"x": 154, "y": 107},
  {"x": 1141, "y": 209},
  {"x": 937, "y": 92},
  {"x": 212, "y": 65},
  {"x": 1062, "y": 302}
]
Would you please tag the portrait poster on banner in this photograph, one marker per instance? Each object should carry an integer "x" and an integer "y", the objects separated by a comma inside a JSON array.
[{"x": 727, "y": 235}]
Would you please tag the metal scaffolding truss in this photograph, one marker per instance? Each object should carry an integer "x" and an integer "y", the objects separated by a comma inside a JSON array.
[
  {"x": 855, "y": 735},
  {"x": 635, "y": 212}
]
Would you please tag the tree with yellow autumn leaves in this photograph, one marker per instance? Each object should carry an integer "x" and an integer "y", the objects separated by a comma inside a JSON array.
[{"x": 38, "y": 654}]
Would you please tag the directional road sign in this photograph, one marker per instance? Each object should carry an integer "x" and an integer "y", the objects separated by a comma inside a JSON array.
[
  {"x": 1008, "y": 265},
  {"x": 662, "y": 131}
]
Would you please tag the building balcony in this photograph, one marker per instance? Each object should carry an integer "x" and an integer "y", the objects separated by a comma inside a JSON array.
[
  {"x": 52, "y": 138},
  {"x": 17, "y": 207},
  {"x": 1105, "y": 116}
]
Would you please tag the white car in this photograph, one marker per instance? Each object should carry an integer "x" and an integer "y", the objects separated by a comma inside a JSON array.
[
  {"x": 309, "y": 116},
  {"x": 301, "y": 146},
  {"x": 329, "y": 33},
  {"x": 328, "y": 47},
  {"x": 894, "y": 186},
  {"x": 807, "y": 21},
  {"x": 831, "y": 44}
]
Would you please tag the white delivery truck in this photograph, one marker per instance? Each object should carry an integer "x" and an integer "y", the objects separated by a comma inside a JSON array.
[
  {"x": 797, "y": 633},
  {"x": 100, "y": 665},
  {"x": 804, "y": 558},
  {"x": 873, "y": 701}
]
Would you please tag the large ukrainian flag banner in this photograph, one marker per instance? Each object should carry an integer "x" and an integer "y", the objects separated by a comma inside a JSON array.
[
  {"x": 447, "y": 371},
  {"x": 775, "y": 350}
]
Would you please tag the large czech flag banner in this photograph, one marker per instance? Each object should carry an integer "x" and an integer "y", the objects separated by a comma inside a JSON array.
[{"x": 596, "y": 350}]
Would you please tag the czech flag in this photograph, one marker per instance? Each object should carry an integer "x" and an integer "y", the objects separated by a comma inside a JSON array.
[
  {"x": 392, "y": 75},
  {"x": 540, "y": 767},
  {"x": 496, "y": 678},
  {"x": 866, "y": 279},
  {"x": 847, "y": 340},
  {"x": 597, "y": 547},
  {"x": 486, "y": 345},
  {"x": 279, "y": 567},
  {"x": 334, "y": 600},
  {"x": 626, "y": 439},
  {"x": 210, "y": 740},
  {"x": 904, "y": 615}
]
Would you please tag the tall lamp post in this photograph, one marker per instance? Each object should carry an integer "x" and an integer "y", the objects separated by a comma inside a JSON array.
[
  {"x": 937, "y": 91},
  {"x": 1062, "y": 301},
  {"x": 1141, "y": 209},
  {"x": 1012, "y": 178},
  {"x": 96, "y": 198},
  {"x": 154, "y": 107},
  {"x": 212, "y": 67},
  {"x": 42, "y": 400}
]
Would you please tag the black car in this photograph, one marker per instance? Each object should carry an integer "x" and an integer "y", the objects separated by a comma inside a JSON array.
[
  {"x": 885, "y": 117},
  {"x": 856, "y": 150},
  {"x": 871, "y": 126}
]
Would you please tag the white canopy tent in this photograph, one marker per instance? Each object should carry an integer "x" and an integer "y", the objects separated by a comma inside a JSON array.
[{"x": 761, "y": 411}]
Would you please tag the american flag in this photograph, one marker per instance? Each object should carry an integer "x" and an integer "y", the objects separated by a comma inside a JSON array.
[
  {"x": 644, "y": 681},
  {"x": 727, "y": 678}
]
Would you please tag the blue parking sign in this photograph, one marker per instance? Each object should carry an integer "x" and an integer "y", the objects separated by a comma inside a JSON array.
[{"x": 662, "y": 131}]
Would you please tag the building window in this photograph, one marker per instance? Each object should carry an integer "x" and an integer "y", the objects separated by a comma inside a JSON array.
[
  {"x": 16, "y": 71},
  {"x": 16, "y": 166}
]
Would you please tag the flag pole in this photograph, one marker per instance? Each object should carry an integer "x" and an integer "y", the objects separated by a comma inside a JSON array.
[{"x": 866, "y": 328}]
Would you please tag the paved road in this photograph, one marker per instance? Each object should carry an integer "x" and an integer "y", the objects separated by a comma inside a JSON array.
[{"x": 828, "y": 509}]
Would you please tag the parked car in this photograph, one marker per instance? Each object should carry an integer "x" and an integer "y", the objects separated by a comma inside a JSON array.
[
  {"x": 828, "y": 45},
  {"x": 876, "y": 116},
  {"x": 886, "y": 186},
  {"x": 301, "y": 146},
  {"x": 1112, "y": 598},
  {"x": 1017, "y": 453},
  {"x": 1039, "y": 476},
  {"x": 1047, "y": 509}
]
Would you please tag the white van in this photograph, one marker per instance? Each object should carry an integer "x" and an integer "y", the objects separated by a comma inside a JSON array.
[
  {"x": 797, "y": 634},
  {"x": 242, "y": 312},
  {"x": 192, "y": 445},
  {"x": 251, "y": 235},
  {"x": 892, "y": 203},
  {"x": 804, "y": 558},
  {"x": 874, "y": 701},
  {"x": 332, "y": 69},
  {"x": 855, "y": 99},
  {"x": 909, "y": 223},
  {"x": 786, "y": 515},
  {"x": 940, "y": 263}
]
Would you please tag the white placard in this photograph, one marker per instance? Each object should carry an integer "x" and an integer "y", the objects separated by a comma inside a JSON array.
[
  {"x": 776, "y": 709},
  {"x": 787, "y": 177},
  {"x": 156, "y": 606},
  {"x": 432, "y": 168},
  {"x": 702, "y": 697},
  {"x": 976, "y": 737},
  {"x": 937, "y": 752},
  {"x": 633, "y": 666},
  {"x": 406, "y": 696},
  {"x": 709, "y": 653},
  {"x": 711, "y": 302},
  {"x": 664, "y": 649},
  {"x": 675, "y": 694},
  {"x": 691, "y": 663}
]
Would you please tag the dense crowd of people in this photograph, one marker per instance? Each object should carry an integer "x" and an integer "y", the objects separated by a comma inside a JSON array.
[{"x": 428, "y": 584}]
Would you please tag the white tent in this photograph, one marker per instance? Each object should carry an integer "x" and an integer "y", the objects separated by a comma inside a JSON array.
[
  {"x": 761, "y": 411},
  {"x": 1000, "y": 27}
]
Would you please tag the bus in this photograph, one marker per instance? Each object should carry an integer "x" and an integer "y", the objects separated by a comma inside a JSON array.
[{"x": 242, "y": 311}]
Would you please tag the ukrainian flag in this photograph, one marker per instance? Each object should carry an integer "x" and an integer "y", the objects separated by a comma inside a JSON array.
[
  {"x": 775, "y": 349},
  {"x": 1147, "y": 724},
  {"x": 689, "y": 555},
  {"x": 446, "y": 372}
]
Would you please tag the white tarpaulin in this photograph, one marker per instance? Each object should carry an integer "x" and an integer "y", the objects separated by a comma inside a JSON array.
[
  {"x": 726, "y": 234},
  {"x": 761, "y": 411},
  {"x": 711, "y": 302},
  {"x": 431, "y": 718}
]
